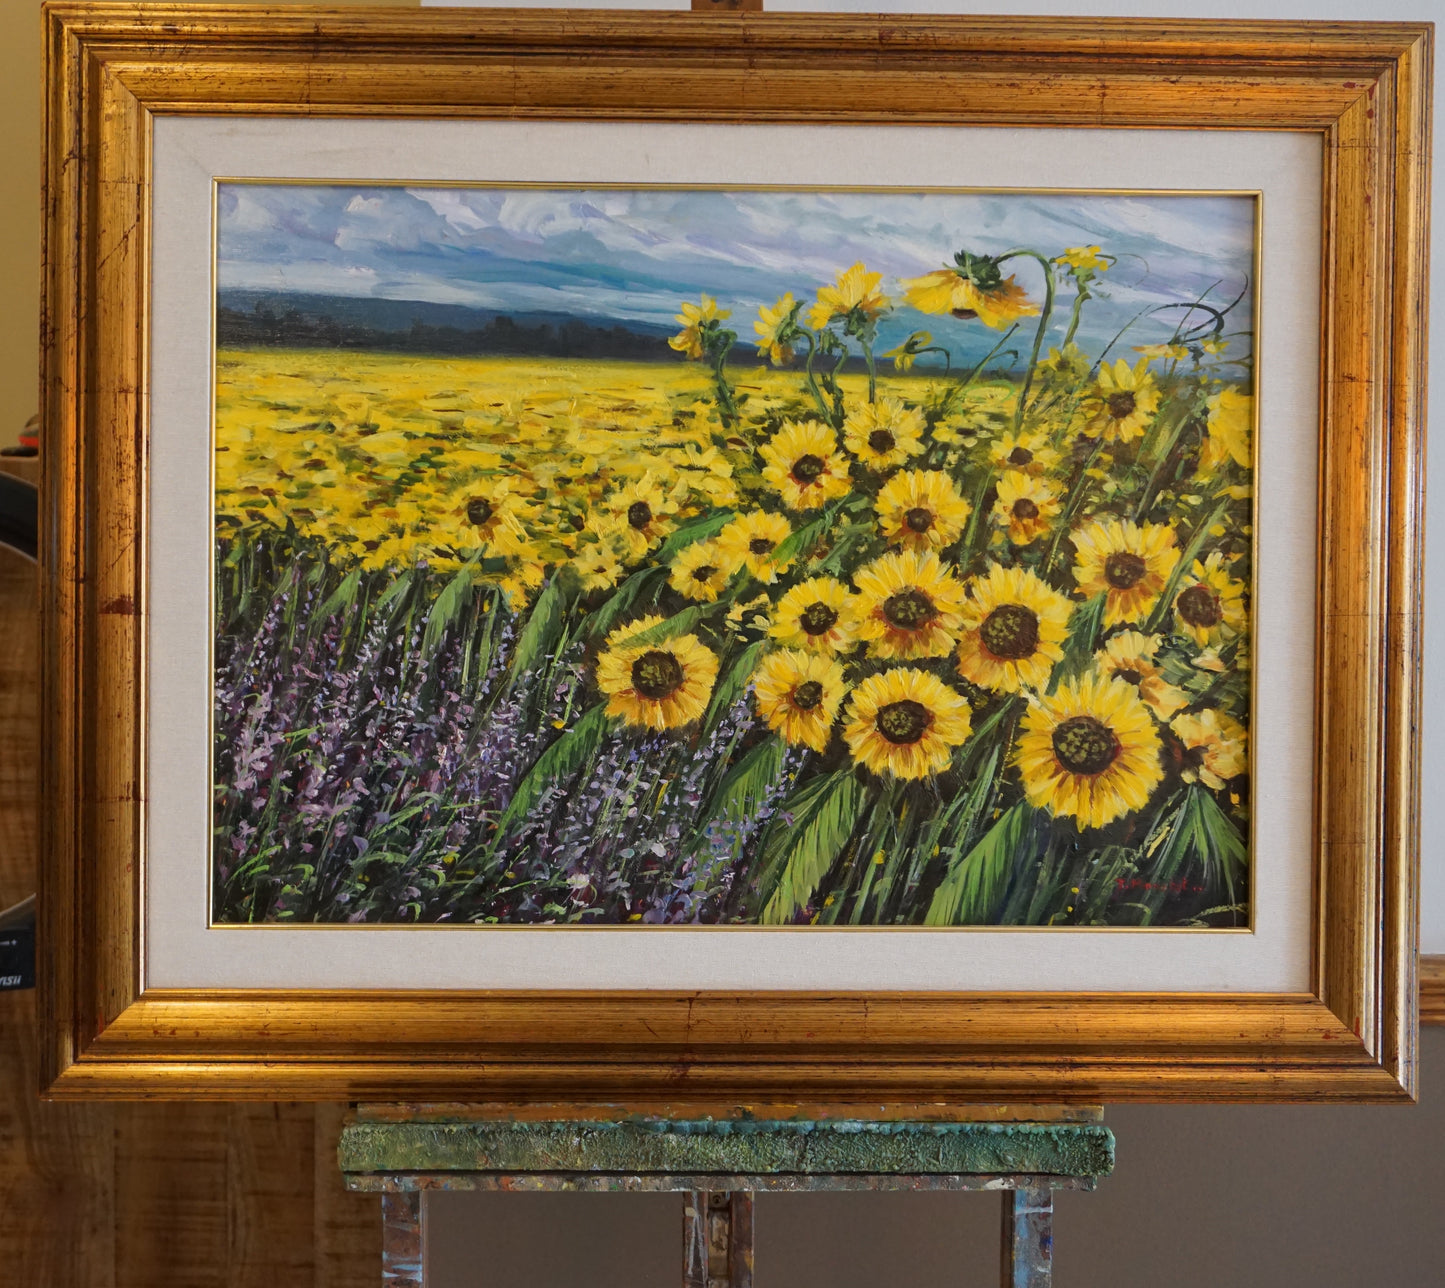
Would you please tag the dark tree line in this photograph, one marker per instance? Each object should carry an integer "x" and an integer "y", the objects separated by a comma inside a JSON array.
[{"x": 295, "y": 329}]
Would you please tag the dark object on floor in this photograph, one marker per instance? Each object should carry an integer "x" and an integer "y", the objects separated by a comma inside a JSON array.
[
  {"x": 18, "y": 515},
  {"x": 17, "y": 946}
]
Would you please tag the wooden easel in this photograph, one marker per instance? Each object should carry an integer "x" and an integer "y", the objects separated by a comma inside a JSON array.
[{"x": 720, "y": 1161}]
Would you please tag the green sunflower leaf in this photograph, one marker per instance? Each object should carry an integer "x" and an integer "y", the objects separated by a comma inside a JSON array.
[
  {"x": 541, "y": 630},
  {"x": 809, "y": 849},
  {"x": 975, "y": 883},
  {"x": 730, "y": 684},
  {"x": 745, "y": 788},
  {"x": 559, "y": 763},
  {"x": 444, "y": 610}
]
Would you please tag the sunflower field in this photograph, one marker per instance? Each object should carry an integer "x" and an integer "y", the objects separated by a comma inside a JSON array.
[{"x": 785, "y": 631}]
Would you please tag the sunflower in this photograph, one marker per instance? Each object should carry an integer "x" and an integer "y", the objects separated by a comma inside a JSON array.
[
  {"x": 646, "y": 511},
  {"x": 1216, "y": 747},
  {"x": 1209, "y": 605},
  {"x": 750, "y": 541},
  {"x": 906, "y": 354},
  {"x": 606, "y": 547},
  {"x": 803, "y": 464},
  {"x": 1089, "y": 751},
  {"x": 1127, "y": 562},
  {"x": 1014, "y": 627},
  {"x": 799, "y": 694},
  {"x": 485, "y": 513},
  {"x": 974, "y": 288},
  {"x": 906, "y": 722},
  {"x": 1123, "y": 400},
  {"x": 1026, "y": 451},
  {"x": 1070, "y": 362},
  {"x": 815, "y": 615},
  {"x": 922, "y": 510},
  {"x": 1230, "y": 424},
  {"x": 907, "y": 606},
  {"x": 1129, "y": 656},
  {"x": 1173, "y": 352},
  {"x": 697, "y": 320},
  {"x": 1084, "y": 258},
  {"x": 700, "y": 571},
  {"x": 656, "y": 685},
  {"x": 1026, "y": 506},
  {"x": 884, "y": 434},
  {"x": 853, "y": 297},
  {"x": 776, "y": 327}
]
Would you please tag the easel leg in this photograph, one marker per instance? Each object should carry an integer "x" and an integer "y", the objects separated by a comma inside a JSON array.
[
  {"x": 1028, "y": 1238},
  {"x": 717, "y": 1239},
  {"x": 401, "y": 1240}
]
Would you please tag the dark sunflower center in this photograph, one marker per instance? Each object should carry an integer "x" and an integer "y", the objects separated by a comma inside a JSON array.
[
  {"x": 1085, "y": 745},
  {"x": 880, "y": 440},
  {"x": 1199, "y": 606},
  {"x": 577, "y": 522},
  {"x": 1020, "y": 456},
  {"x": 909, "y": 609},
  {"x": 760, "y": 546},
  {"x": 479, "y": 510},
  {"x": 1025, "y": 509},
  {"x": 1121, "y": 405},
  {"x": 807, "y": 695},
  {"x": 807, "y": 468},
  {"x": 639, "y": 514},
  {"x": 656, "y": 674},
  {"x": 704, "y": 574},
  {"x": 963, "y": 315},
  {"x": 1123, "y": 570},
  {"x": 903, "y": 722},
  {"x": 1129, "y": 674},
  {"x": 818, "y": 619},
  {"x": 919, "y": 519},
  {"x": 1010, "y": 632}
]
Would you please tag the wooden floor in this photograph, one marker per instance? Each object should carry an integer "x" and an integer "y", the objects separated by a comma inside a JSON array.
[{"x": 145, "y": 1195}]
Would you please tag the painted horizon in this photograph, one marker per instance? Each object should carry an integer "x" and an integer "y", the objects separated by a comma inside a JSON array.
[{"x": 732, "y": 557}]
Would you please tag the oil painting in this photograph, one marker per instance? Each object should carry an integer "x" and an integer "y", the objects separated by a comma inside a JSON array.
[{"x": 732, "y": 557}]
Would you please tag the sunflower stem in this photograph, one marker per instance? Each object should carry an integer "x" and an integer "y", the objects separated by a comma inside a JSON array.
[
  {"x": 1186, "y": 560},
  {"x": 725, "y": 402},
  {"x": 987, "y": 358},
  {"x": 1075, "y": 496},
  {"x": 1044, "y": 314},
  {"x": 1075, "y": 314},
  {"x": 813, "y": 379}
]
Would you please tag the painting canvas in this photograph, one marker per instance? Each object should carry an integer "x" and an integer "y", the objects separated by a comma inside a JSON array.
[{"x": 732, "y": 557}]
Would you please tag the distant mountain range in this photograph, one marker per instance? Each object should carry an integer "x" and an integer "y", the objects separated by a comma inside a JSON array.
[{"x": 281, "y": 320}]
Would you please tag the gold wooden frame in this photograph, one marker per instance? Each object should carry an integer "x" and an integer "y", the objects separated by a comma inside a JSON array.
[{"x": 1363, "y": 88}]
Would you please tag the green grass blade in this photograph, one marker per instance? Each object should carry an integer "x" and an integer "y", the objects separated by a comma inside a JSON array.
[
  {"x": 634, "y": 591},
  {"x": 444, "y": 611},
  {"x": 1084, "y": 628},
  {"x": 730, "y": 684},
  {"x": 541, "y": 631},
  {"x": 699, "y": 530},
  {"x": 671, "y": 627},
  {"x": 974, "y": 884},
  {"x": 557, "y": 764},
  {"x": 343, "y": 597},
  {"x": 744, "y": 789},
  {"x": 812, "y": 849}
]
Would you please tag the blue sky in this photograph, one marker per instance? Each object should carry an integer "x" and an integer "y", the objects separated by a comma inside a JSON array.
[{"x": 634, "y": 255}]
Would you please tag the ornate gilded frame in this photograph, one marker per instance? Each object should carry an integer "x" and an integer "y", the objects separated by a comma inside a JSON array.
[{"x": 111, "y": 69}]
